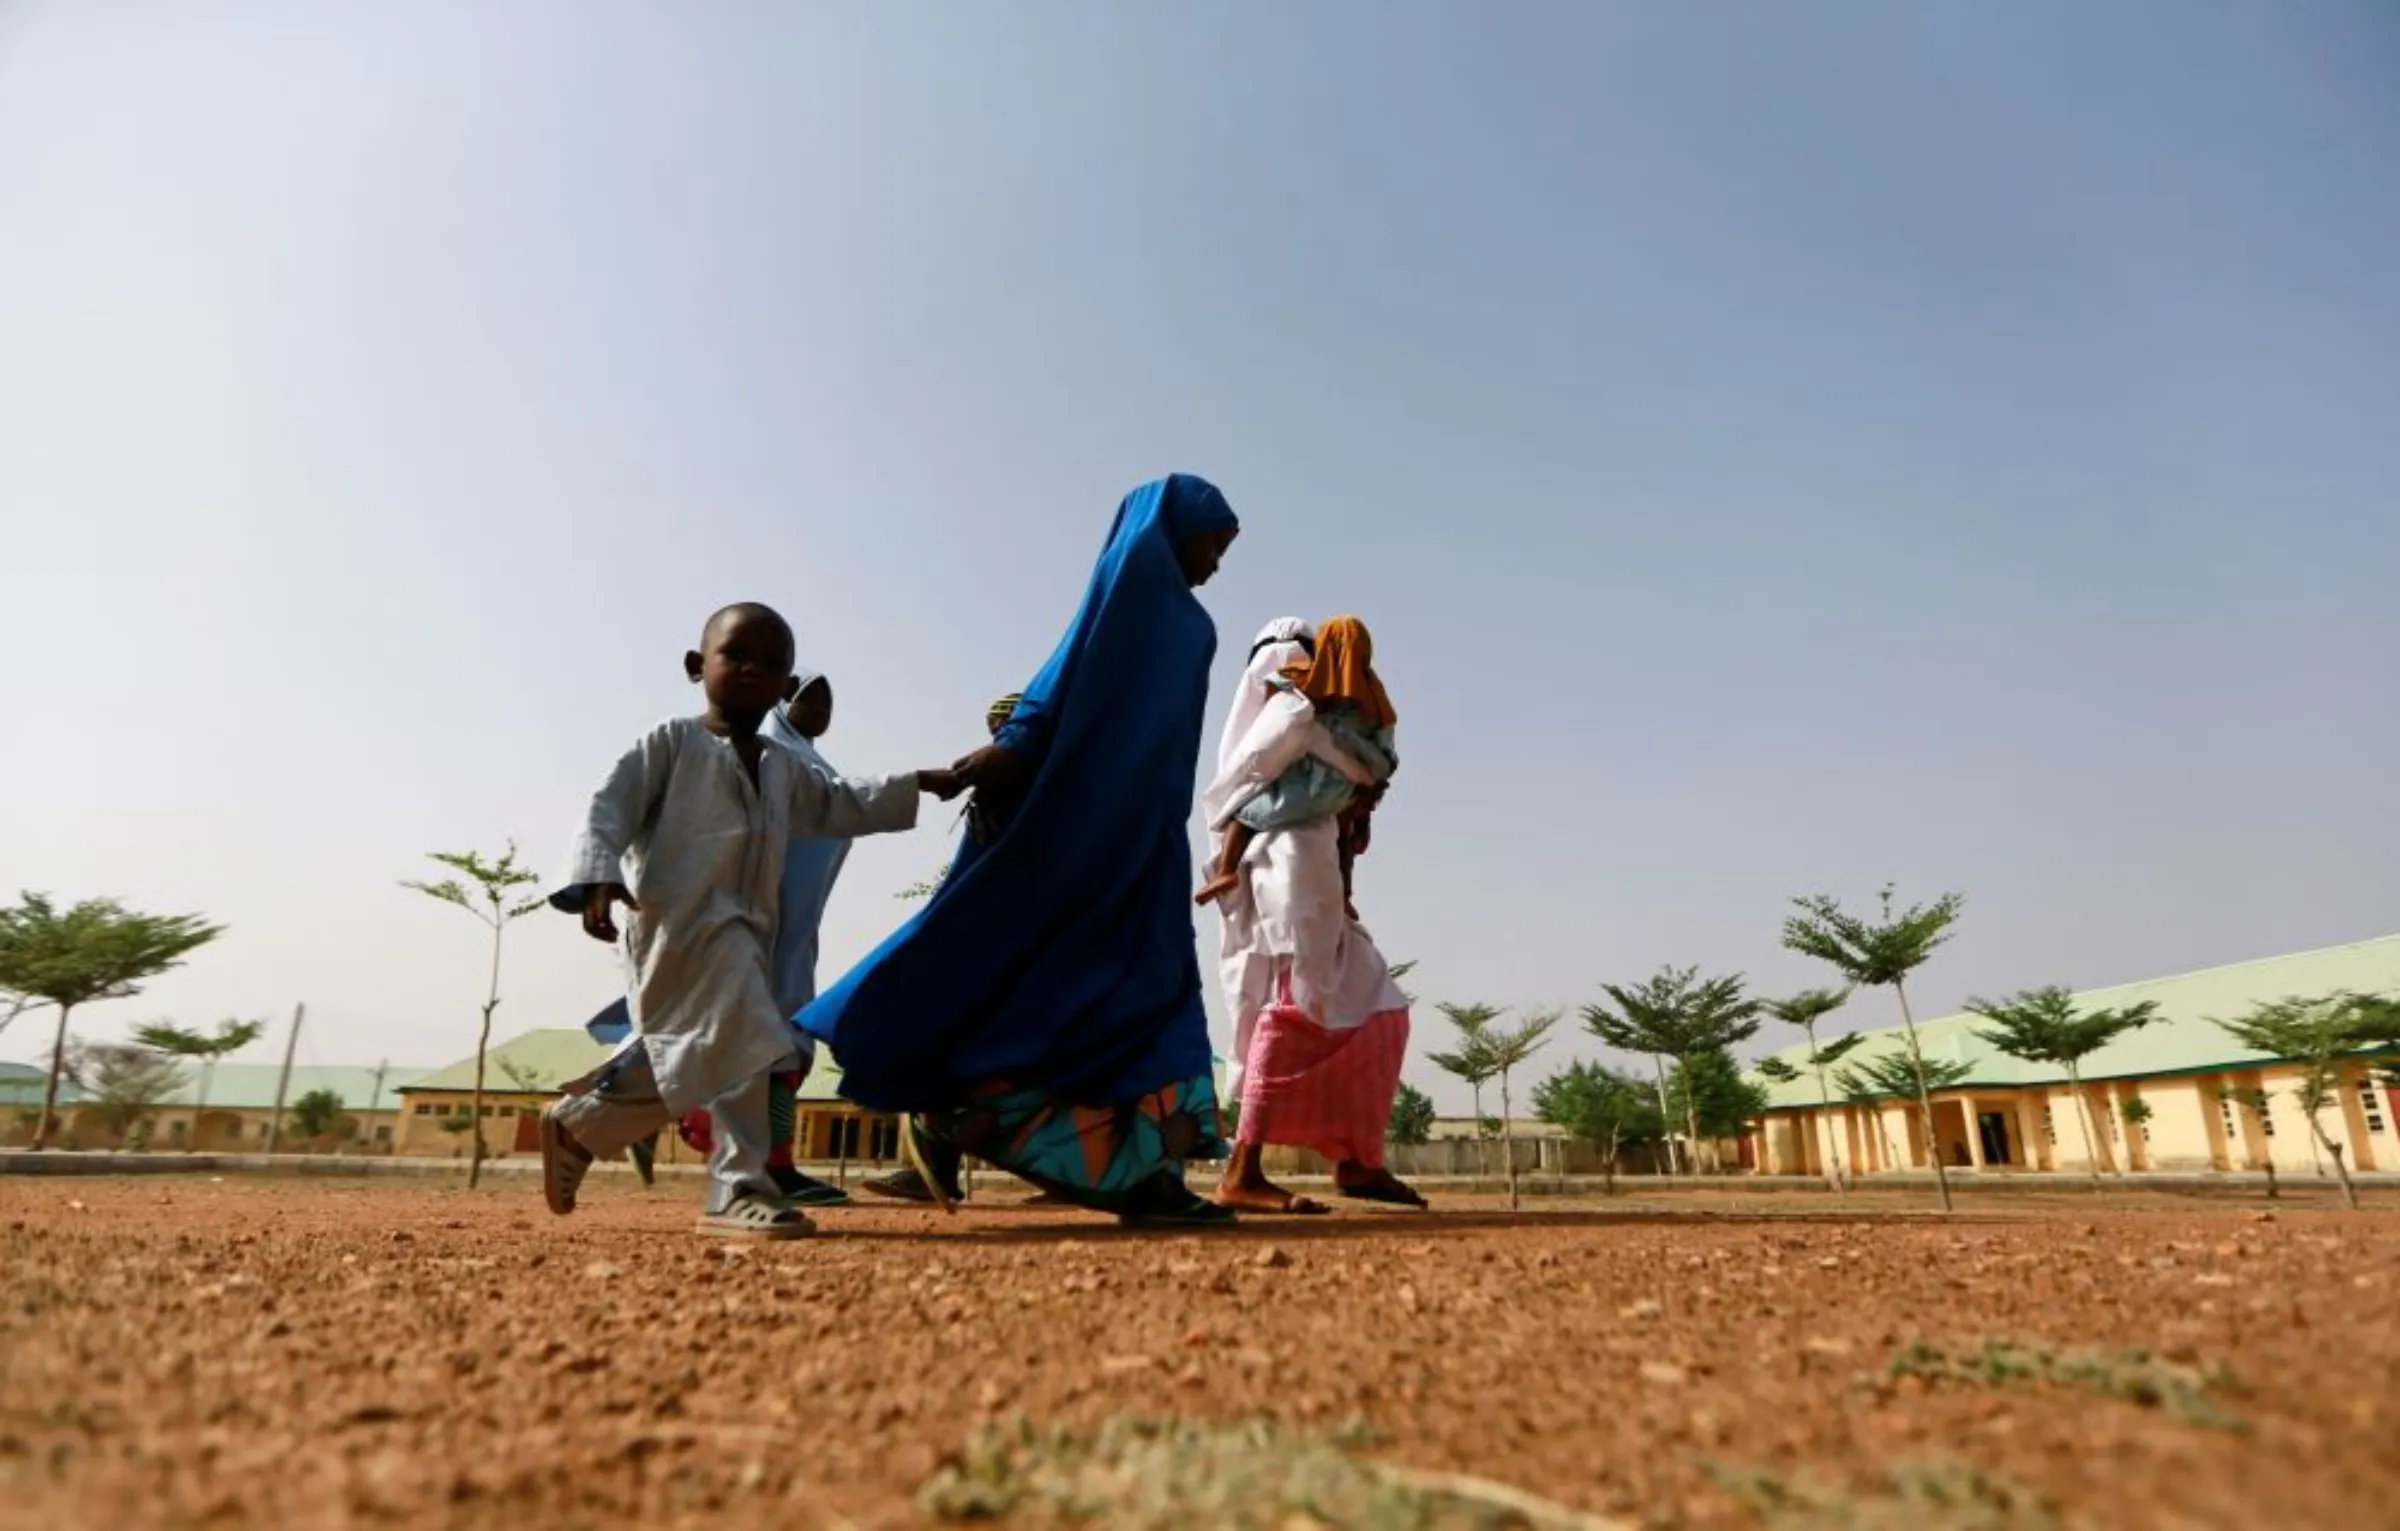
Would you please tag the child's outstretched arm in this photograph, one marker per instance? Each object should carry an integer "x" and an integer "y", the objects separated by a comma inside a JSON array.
[
  {"x": 595, "y": 878},
  {"x": 846, "y": 807}
]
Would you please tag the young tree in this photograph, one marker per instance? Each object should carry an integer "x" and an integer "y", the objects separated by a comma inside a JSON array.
[
  {"x": 1511, "y": 1048},
  {"x": 1648, "y": 1022},
  {"x": 319, "y": 1114},
  {"x": 2320, "y": 1035},
  {"x": 1897, "y": 1076},
  {"x": 2044, "y": 1026},
  {"x": 1710, "y": 1096},
  {"x": 126, "y": 1084},
  {"x": 1472, "y": 1059},
  {"x": 1804, "y": 1010},
  {"x": 94, "y": 951},
  {"x": 231, "y": 1037},
  {"x": 1604, "y": 1108},
  {"x": 1875, "y": 954},
  {"x": 1676, "y": 1014},
  {"x": 492, "y": 899},
  {"x": 1412, "y": 1116}
]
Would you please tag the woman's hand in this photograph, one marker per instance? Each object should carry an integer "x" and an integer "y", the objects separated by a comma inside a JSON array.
[
  {"x": 992, "y": 769},
  {"x": 944, "y": 784}
]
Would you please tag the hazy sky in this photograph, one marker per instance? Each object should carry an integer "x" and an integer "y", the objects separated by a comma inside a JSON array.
[{"x": 1778, "y": 448}]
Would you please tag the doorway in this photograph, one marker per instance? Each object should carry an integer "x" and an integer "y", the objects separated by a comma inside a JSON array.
[{"x": 1992, "y": 1127}]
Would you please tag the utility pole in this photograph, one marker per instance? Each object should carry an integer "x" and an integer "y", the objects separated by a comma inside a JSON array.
[
  {"x": 375, "y": 1103},
  {"x": 283, "y": 1081}
]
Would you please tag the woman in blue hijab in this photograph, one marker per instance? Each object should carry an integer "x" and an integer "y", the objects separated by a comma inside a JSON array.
[{"x": 1042, "y": 1011}]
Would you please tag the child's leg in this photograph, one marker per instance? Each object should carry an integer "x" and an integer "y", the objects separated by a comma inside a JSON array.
[
  {"x": 743, "y": 1197},
  {"x": 1228, "y": 875},
  {"x": 617, "y": 1110}
]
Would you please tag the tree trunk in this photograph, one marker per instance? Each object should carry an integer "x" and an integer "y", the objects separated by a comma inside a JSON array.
[
  {"x": 1658, "y": 1066},
  {"x": 2274, "y": 1190},
  {"x": 2083, "y": 1115},
  {"x": 1916, "y": 1059},
  {"x": 1691, "y": 1117},
  {"x": 483, "y": 1042},
  {"x": 1508, "y": 1144},
  {"x": 1833, "y": 1147},
  {"x": 1483, "y": 1153},
  {"x": 191, "y": 1142},
  {"x": 2341, "y": 1167},
  {"x": 1608, "y": 1166},
  {"x": 58, "y": 1066}
]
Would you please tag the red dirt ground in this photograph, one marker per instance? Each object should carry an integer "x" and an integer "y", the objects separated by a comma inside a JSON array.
[{"x": 266, "y": 1352}]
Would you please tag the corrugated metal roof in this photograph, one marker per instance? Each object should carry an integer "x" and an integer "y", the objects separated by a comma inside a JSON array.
[
  {"x": 251, "y": 1086},
  {"x": 2182, "y": 1041},
  {"x": 21, "y": 1085}
]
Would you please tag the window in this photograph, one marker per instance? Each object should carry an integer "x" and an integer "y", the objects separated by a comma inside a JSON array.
[
  {"x": 508, "y": 1111},
  {"x": 2049, "y": 1126},
  {"x": 425, "y": 1110},
  {"x": 383, "y": 1135},
  {"x": 2233, "y": 1129},
  {"x": 2370, "y": 1100}
]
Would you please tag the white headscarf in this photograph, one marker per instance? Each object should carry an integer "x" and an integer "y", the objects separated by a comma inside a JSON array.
[
  {"x": 778, "y": 723},
  {"x": 1279, "y": 644}
]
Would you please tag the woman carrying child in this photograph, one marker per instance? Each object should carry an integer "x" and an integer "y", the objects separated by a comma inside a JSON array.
[
  {"x": 1043, "y": 1010},
  {"x": 1320, "y": 1029}
]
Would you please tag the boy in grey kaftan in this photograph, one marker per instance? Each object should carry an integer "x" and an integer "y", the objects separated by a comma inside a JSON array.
[{"x": 689, "y": 832}]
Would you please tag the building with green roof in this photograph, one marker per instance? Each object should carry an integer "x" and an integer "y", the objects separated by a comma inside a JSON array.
[
  {"x": 524, "y": 1074},
  {"x": 2013, "y": 1115}
]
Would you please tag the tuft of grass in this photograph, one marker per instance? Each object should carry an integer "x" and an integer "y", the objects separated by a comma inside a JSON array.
[
  {"x": 1909, "y": 1496},
  {"x": 2133, "y": 1375},
  {"x": 1137, "y": 1474}
]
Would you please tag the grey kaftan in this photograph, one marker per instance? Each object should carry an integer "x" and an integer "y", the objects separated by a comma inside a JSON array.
[{"x": 679, "y": 823}]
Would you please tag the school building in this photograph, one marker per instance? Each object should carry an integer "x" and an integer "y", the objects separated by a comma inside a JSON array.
[
  {"x": 523, "y": 1075},
  {"x": 240, "y": 1113},
  {"x": 2008, "y": 1115}
]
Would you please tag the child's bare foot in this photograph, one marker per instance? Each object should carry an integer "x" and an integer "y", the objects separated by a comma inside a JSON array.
[{"x": 1217, "y": 887}]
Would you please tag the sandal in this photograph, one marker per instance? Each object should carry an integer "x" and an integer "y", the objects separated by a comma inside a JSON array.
[
  {"x": 750, "y": 1216},
  {"x": 806, "y": 1190},
  {"x": 1386, "y": 1189},
  {"x": 564, "y": 1163},
  {"x": 1172, "y": 1204},
  {"x": 900, "y": 1185}
]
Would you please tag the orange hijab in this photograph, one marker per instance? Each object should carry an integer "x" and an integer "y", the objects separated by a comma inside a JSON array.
[{"x": 1344, "y": 671}]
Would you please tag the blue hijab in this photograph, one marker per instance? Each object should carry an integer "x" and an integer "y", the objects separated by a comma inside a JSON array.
[{"x": 1059, "y": 951}]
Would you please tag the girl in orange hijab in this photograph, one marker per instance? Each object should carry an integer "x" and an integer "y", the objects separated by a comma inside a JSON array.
[{"x": 1349, "y": 757}]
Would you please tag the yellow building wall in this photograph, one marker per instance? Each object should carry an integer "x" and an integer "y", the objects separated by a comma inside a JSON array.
[{"x": 2189, "y": 1131}]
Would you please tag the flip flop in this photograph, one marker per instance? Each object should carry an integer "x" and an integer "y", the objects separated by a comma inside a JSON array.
[
  {"x": 900, "y": 1185},
  {"x": 807, "y": 1191},
  {"x": 1388, "y": 1192},
  {"x": 564, "y": 1164},
  {"x": 754, "y": 1217},
  {"x": 1179, "y": 1207}
]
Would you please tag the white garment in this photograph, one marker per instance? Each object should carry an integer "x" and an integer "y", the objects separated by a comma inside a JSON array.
[
  {"x": 1281, "y": 643},
  {"x": 810, "y": 869},
  {"x": 680, "y": 824},
  {"x": 1288, "y": 919},
  {"x": 1285, "y": 730},
  {"x": 623, "y": 1108}
]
